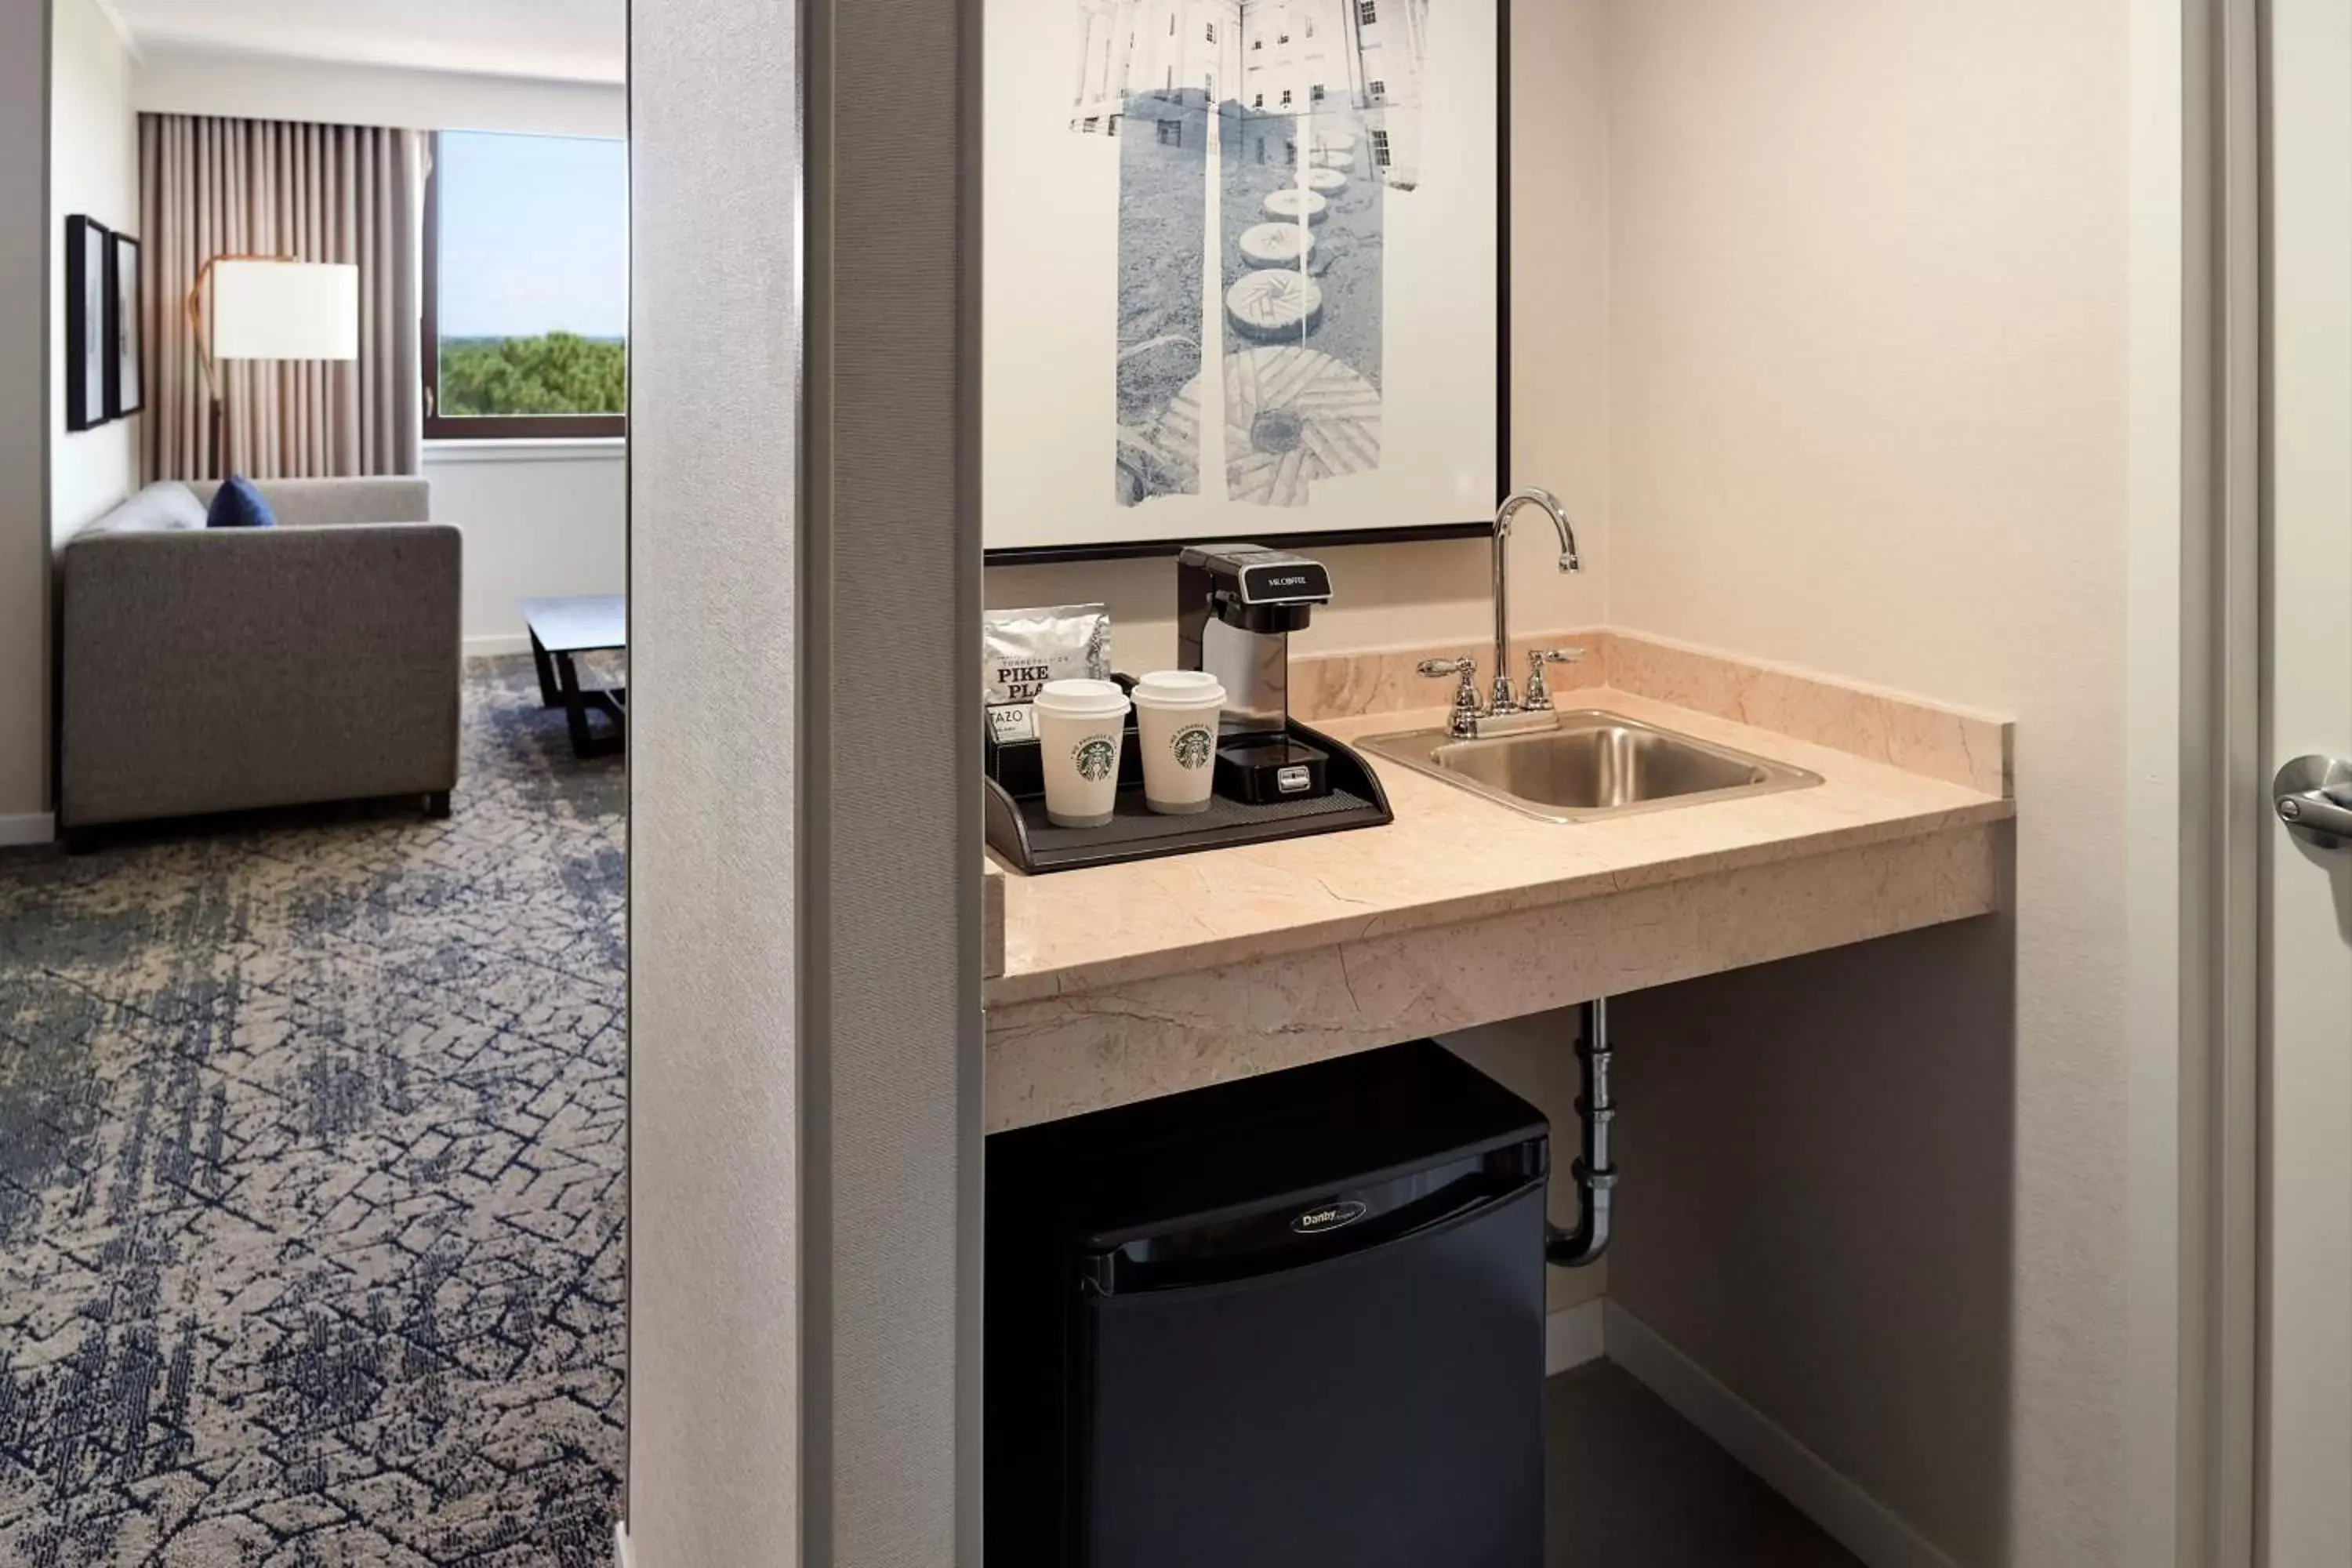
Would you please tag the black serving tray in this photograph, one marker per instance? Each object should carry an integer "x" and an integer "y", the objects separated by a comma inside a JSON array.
[{"x": 1019, "y": 830}]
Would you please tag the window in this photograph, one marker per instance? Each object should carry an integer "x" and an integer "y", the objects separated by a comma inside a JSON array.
[
  {"x": 1093, "y": 123},
  {"x": 1376, "y": 90},
  {"x": 1172, "y": 133},
  {"x": 1311, "y": 27},
  {"x": 1114, "y": 123},
  {"x": 1258, "y": 101},
  {"x": 1261, "y": 149},
  {"x": 1212, "y": 32},
  {"x": 1367, "y": 12},
  {"x": 1315, "y": 93},
  {"x": 526, "y": 286},
  {"x": 1286, "y": 98},
  {"x": 1282, "y": 38},
  {"x": 1290, "y": 153},
  {"x": 1380, "y": 148},
  {"x": 1256, "y": 43}
]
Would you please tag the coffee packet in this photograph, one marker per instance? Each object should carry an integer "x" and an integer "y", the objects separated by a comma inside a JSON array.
[{"x": 1023, "y": 649}]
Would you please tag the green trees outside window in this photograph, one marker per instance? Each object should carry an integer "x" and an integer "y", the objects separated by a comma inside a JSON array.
[{"x": 555, "y": 373}]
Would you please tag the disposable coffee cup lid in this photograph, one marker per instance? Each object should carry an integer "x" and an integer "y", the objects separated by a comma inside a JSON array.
[
  {"x": 1180, "y": 688},
  {"x": 1081, "y": 698}
]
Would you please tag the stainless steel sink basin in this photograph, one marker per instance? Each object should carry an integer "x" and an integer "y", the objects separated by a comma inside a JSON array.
[{"x": 1596, "y": 764}]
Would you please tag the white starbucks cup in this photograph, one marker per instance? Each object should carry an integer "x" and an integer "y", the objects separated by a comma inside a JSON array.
[
  {"x": 1176, "y": 725},
  {"x": 1081, "y": 725}
]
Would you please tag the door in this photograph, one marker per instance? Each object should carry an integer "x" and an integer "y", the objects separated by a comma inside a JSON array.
[{"x": 2304, "y": 1415}]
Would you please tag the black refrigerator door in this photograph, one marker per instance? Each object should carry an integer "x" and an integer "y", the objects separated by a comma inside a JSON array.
[{"x": 1382, "y": 1409}]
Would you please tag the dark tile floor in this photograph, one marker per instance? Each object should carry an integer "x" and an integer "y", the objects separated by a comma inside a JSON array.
[{"x": 1631, "y": 1484}]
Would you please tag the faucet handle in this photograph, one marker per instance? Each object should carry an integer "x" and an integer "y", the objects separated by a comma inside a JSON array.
[
  {"x": 1465, "y": 673},
  {"x": 1539, "y": 691}
]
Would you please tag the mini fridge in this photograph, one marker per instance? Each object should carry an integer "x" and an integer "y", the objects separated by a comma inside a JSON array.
[{"x": 1295, "y": 1322}]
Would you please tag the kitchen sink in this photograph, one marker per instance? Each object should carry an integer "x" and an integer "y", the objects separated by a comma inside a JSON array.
[{"x": 1595, "y": 765}]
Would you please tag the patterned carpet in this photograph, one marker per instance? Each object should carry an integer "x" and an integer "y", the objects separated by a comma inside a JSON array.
[{"x": 312, "y": 1179}]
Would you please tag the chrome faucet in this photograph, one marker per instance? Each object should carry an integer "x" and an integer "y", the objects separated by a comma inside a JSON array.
[
  {"x": 1503, "y": 702},
  {"x": 1504, "y": 712}
]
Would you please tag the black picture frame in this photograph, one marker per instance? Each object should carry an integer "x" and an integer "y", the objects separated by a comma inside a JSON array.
[
  {"x": 126, "y": 389},
  {"x": 1276, "y": 539},
  {"x": 87, "y": 348}
]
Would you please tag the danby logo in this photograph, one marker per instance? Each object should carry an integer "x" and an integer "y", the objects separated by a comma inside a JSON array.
[{"x": 1331, "y": 1216}]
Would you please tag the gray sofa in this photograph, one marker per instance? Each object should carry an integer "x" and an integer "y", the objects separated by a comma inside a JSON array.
[{"x": 221, "y": 669}]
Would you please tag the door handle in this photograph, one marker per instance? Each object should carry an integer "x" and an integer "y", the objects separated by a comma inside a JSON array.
[{"x": 2314, "y": 796}]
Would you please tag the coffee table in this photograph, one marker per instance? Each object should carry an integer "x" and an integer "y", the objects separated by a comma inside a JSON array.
[{"x": 561, "y": 629}]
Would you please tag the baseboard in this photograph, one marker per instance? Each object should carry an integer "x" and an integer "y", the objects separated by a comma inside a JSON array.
[
  {"x": 32, "y": 827},
  {"x": 1857, "y": 1520},
  {"x": 498, "y": 643},
  {"x": 1572, "y": 1336},
  {"x": 621, "y": 1545}
]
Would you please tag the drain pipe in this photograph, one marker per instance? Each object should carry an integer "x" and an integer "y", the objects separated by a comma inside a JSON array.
[{"x": 1594, "y": 1171}]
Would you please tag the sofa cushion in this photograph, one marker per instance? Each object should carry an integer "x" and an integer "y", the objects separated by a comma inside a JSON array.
[
  {"x": 161, "y": 508},
  {"x": 237, "y": 504}
]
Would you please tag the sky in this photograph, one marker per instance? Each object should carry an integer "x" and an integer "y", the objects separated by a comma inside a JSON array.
[{"x": 534, "y": 235}]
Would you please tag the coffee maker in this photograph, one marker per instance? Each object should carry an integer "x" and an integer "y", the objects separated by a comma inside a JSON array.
[{"x": 1236, "y": 605}]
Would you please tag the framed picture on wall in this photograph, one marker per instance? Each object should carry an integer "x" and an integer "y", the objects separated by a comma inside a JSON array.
[
  {"x": 124, "y": 393},
  {"x": 87, "y": 351},
  {"x": 1242, "y": 272}
]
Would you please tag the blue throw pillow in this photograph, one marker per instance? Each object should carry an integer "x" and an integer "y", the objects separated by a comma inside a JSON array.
[{"x": 236, "y": 504}]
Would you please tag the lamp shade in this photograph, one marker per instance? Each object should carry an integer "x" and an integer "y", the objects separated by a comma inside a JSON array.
[{"x": 285, "y": 309}]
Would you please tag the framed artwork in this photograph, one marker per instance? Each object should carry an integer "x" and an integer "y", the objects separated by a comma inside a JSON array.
[
  {"x": 1242, "y": 272},
  {"x": 87, "y": 352},
  {"x": 124, "y": 392}
]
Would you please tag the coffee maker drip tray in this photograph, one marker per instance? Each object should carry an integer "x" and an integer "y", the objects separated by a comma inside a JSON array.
[{"x": 1350, "y": 796}]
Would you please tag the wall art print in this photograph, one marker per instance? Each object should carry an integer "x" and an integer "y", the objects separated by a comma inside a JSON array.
[
  {"x": 87, "y": 348},
  {"x": 1240, "y": 268}
]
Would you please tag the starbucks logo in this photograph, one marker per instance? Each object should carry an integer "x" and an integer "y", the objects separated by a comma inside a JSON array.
[
  {"x": 1095, "y": 758},
  {"x": 1192, "y": 746}
]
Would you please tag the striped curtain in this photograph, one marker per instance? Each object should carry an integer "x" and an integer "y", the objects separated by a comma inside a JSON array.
[{"x": 211, "y": 187}]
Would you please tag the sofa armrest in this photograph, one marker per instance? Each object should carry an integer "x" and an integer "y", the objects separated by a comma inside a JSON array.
[
  {"x": 217, "y": 669},
  {"x": 320, "y": 503}
]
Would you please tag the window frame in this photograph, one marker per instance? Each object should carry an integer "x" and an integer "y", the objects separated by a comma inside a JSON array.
[{"x": 440, "y": 426}]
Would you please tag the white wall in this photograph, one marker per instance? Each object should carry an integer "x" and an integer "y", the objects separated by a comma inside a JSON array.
[
  {"x": 1871, "y": 375},
  {"x": 94, "y": 149},
  {"x": 541, "y": 519},
  {"x": 84, "y": 150},
  {"x": 184, "y": 81},
  {"x": 715, "y": 1207},
  {"x": 804, "y": 965},
  {"x": 25, "y": 252}
]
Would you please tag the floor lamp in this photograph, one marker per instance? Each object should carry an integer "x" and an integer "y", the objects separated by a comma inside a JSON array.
[{"x": 269, "y": 307}]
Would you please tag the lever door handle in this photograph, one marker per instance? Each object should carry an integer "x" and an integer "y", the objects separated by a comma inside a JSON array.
[{"x": 2314, "y": 796}]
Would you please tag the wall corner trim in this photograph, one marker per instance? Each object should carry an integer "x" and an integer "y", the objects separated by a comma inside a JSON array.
[
  {"x": 621, "y": 1558},
  {"x": 1572, "y": 1336},
  {"x": 1855, "y": 1519},
  {"x": 32, "y": 827},
  {"x": 122, "y": 32}
]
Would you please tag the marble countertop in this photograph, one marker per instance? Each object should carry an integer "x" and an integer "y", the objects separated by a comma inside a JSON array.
[{"x": 1449, "y": 857}]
